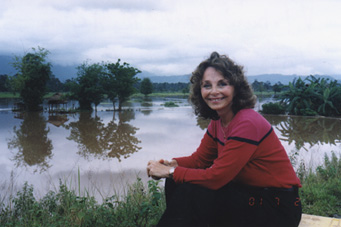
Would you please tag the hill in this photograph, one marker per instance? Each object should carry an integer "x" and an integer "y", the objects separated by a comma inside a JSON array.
[{"x": 68, "y": 72}]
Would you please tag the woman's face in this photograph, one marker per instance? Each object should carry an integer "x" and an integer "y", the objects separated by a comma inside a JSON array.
[{"x": 217, "y": 91}]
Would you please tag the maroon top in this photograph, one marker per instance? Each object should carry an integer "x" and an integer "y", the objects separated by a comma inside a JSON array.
[{"x": 247, "y": 151}]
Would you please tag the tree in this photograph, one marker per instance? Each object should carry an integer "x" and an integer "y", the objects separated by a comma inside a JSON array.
[
  {"x": 4, "y": 83},
  {"x": 121, "y": 79},
  {"x": 87, "y": 88},
  {"x": 54, "y": 84},
  {"x": 300, "y": 97},
  {"x": 146, "y": 86},
  {"x": 33, "y": 74},
  {"x": 277, "y": 87},
  {"x": 313, "y": 96}
]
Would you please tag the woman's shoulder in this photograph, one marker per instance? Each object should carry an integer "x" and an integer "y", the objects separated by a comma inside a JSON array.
[
  {"x": 249, "y": 123},
  {"x": 249, "y": 115}
]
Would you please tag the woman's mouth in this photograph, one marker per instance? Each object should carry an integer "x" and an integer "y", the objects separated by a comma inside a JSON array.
[{"x": 216, "y": 99}]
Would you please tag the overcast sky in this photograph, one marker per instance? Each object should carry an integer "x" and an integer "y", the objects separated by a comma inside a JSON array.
[{"x": 171, "y": 37}]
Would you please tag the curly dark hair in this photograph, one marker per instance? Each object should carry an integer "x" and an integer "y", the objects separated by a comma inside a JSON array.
[{"x": 243, "y": 94}]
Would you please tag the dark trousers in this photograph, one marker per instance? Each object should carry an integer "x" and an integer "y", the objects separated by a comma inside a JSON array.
[{"x": 231, "y": 205}]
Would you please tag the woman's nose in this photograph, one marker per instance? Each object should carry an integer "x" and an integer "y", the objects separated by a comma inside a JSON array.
[{"x": 214, "y": 90}]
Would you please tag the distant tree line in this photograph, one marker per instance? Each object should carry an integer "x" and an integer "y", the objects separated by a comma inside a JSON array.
[
  {"x": 117, "y": 82},
  {"x": 94, "y": 82},
  {"x": 260, "y": 86}
]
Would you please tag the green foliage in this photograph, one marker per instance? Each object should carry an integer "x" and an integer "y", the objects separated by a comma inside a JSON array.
[
  {"x": 87, "y": 88},
  {"x": 140, "y": 207},
  {"x": 33, "y": 74},
  {"x": 121, "y": 78},
  {"x": 170, "y": 104},
  {"x": 4, "y": 83},
  {"x": 313, "y": 96},
  {"x": 146, "y": 86},
  {"x": 273, "y": 108},
  {"x": 321, "y": 194},
  {"x": 277, "y": 87},
  {"x": 54, "y": 84},
  {"x": 261, "y": 86}
]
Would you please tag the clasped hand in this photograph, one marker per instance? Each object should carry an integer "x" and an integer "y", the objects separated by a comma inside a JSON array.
[{"x": 160, "y": 169}]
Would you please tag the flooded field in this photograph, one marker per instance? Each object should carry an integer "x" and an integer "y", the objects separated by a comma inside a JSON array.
[{"x": 104, "y": 151}]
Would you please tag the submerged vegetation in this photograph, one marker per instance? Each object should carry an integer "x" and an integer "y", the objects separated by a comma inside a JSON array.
[{"x": 143, "y": 206}]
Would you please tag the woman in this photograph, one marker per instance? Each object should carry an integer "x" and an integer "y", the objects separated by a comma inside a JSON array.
[{"x": 240, "y": 175}]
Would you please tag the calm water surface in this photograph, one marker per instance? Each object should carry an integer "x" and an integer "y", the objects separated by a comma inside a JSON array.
[{"x": 108, "y": 149}]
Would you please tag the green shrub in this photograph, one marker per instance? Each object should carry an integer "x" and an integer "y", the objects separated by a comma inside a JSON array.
[
  {"x": 320, "y": 193},
  {"x": 170, "y": 104},
  {"x": 273, "y": 108},
  {"x": 139, "y": 207}
]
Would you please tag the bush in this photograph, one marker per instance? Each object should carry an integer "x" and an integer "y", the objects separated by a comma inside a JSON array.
[
  {"x": 170, "y": 104},
  {"x": 273, "y": 108},
  {"x": 320, "y": 193}
]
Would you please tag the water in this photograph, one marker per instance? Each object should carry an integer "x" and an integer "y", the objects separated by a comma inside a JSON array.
[{"x": 107, "y": 150}]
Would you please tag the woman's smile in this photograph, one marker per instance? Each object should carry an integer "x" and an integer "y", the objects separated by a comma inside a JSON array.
[{"x": 217, "y": 91}]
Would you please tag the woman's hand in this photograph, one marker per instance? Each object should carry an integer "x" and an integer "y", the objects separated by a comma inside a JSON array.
[
  {"x": 172, "y": 163},
  {"x": 160, "y": 169}
]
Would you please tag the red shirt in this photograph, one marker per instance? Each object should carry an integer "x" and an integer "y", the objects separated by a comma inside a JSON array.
[{"x": 248, "y": 151}]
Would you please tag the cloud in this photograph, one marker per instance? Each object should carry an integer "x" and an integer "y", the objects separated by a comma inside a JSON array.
[{"x": 172, "y": 36}]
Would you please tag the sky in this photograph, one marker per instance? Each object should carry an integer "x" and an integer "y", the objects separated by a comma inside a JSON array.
[{"x": 171, "y": 37}]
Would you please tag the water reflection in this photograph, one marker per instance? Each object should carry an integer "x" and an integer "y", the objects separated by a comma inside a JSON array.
[
  {"x": 33, "y": 146},
  {"x": 311, "y": 130},
  {"x": 95, "y": 139},
  {"x": 119, "y": 139},
  {"x": 57, "y": 119},
  {"x": 86, "y": 132}
]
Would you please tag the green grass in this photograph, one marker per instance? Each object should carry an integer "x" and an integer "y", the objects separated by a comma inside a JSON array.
[
  {"x": 139, "y": 207},
  {"x": 321, "y": 189},
  {"x": 8, "y": 95},
  {"x": 17, "y": 95}
]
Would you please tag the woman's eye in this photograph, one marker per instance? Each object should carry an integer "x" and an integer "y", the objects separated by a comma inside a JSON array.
[
  {"x": 206, "y": 86},
  {"x": 223, "y": 84}
]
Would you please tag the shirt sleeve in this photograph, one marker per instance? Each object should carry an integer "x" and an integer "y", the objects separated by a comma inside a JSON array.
[
  {"x": 203, "y": 157},
  {"x": 225, "y": 167}
]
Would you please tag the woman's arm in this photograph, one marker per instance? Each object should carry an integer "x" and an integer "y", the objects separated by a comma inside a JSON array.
[{"x": 203, "y": 157}]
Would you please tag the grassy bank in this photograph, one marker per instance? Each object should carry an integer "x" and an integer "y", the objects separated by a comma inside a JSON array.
[
  {"x": 143, "y": 206},
  {"x": 139, "y": 207},
  {"x": 8, "y": 95},
  {"x": 321, "y": 189}
]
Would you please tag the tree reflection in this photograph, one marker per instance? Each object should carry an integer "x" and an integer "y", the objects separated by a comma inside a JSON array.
[
  {"x": 119, "y": 138},
  {"x": 114, "y": 140},
  {"x": 87, "y": 132},
  {"x": 34, "y": 147},
  {"x": 301, "y": 130}
]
